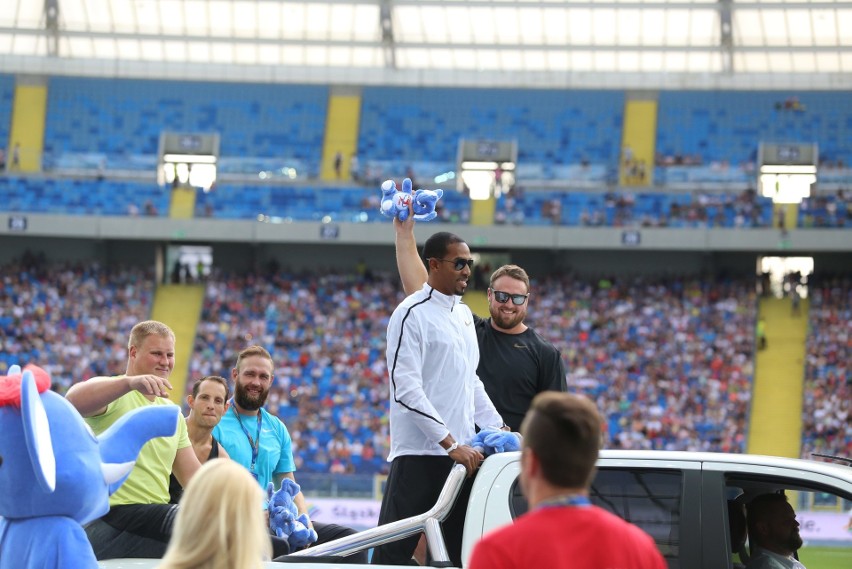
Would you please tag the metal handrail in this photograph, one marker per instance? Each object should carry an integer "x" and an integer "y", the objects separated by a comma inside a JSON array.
[{"x": 428, "y": 522}]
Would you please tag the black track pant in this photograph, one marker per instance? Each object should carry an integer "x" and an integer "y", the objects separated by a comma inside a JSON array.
[
  {"x": 142, "y": 531},
  {"x": 413, "y": 486}
]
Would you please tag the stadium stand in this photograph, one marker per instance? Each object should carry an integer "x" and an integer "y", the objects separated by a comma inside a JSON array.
[
  {"x": 827, "y": 211},
  {"x": 327, "y": 334},
  {"x": 827, "y": 410},
  {"x": 39, "y": 194},
  {"x": 713, "y": 136},
  {"x": 120, "y": 121},
  {"x": 406, "y": 129},
  {"x": 82, "y": 196},
  {"x": 669, "y": 361},
  {"x": 64, "y": 317},
  {"x": 677, "y": 353}
]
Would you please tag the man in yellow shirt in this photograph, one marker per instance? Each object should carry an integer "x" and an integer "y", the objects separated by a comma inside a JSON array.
[{"x": 140, "y": 518}]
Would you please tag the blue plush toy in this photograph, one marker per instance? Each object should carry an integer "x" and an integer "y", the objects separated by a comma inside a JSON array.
[
  {"x": 490, "y": 441},
  {"x": 56, "y": 475},
  {"x": 395, "y": 202},
  {"x": 284, "y": 518}
]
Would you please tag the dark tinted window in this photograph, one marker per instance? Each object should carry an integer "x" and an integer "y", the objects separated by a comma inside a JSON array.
[{"x": 650, "y": 499}]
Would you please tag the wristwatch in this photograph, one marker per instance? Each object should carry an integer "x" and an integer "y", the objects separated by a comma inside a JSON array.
[{"x": 453, "y": 447}]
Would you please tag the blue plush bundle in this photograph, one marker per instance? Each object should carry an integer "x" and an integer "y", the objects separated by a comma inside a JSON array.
[
  {"x": 284, "y": 518},
  {"x": 490, "y": 441},
  {"x": 395, "y": 202}
]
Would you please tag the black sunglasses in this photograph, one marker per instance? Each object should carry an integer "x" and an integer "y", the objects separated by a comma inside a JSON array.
[
  {"x": 458, "y": 264},
  {"x": 501, "y": 297}
]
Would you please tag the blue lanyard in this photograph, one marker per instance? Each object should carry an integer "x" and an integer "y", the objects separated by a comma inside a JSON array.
[
  {"x": 569, "y": 500},
  {"x": 254, "y": 444}
]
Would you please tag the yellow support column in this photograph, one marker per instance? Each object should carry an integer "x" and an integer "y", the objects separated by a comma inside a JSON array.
[
  {"x": 179, "y": 306},
  {"x": 638, "y": 141},
  {"x": 26, "y": 137},
  {"x": 341, "y": 134},
  {"x": 482, "y": 211},
  {"x": 788, "y": 212},
  {"x": 182, "y": 205},
  {"x": 775, "y": 425}
]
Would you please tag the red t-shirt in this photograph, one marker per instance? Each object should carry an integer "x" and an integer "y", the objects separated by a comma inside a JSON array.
[{"x": 570, "y": 538}]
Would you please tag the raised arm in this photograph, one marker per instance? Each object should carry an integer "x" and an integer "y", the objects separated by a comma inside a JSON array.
[
  {"x": 92, "y": 397},
  {"x": 408, "y": 263}
]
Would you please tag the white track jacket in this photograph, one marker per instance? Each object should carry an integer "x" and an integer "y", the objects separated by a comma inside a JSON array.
[{"x": 432, "y": 356}]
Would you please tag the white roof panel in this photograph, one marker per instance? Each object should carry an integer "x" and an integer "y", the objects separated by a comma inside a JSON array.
[{"x": 468, "y": 36}]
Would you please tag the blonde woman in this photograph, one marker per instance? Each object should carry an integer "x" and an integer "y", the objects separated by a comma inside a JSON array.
[{"x": 220, "y": 523}]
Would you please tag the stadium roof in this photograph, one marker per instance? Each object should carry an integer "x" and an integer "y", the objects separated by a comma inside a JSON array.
[{"x": 541, "y": 43}]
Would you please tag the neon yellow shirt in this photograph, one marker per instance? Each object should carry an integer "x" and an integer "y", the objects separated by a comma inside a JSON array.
[{"x": 148, "y": 482}]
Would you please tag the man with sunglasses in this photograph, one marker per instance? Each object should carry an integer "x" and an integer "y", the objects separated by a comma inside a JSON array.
[
  {"x": 515, "y": 362},
  {"x": 436, "y": 399}
]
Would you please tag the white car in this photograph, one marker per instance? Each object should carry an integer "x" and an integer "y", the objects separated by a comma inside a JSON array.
[{"x": 680, "y": 498}]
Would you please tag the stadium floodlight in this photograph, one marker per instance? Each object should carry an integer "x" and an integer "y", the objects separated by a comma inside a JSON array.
[
  {"x": 786, "y": 188},
  {"x": 486, "y": 167},
  {"x": 787, "y": 171},
  {"x": 188, "y": 158}
]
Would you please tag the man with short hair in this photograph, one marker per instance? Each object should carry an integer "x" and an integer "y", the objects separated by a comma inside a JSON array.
[
  {"x": 436, "y": 398},
  {"x": 207, "y": 403},
  {"x": 515, "y": 362},
  {"x": 140, "y": 518},
  {"x": 260, "y": 441},
  {"x": 561, "y": 438},
  {"x": 773, "y": 533}
]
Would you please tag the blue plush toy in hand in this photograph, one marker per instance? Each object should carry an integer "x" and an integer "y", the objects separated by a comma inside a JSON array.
[
  {"x": 395, "y": 202},
  {"x": 490, "y": 441},
  {"x": 284, "y": 518}
]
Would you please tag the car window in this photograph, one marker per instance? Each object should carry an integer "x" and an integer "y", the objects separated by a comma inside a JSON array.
[
  {"x": 824, "y": 516},
  {"x": 650, "y": 499}
]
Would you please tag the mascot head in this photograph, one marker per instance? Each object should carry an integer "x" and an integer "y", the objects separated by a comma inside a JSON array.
[{"x": 52, "y": 463}]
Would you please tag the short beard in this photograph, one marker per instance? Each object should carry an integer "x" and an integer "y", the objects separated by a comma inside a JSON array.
[
  {"x": 500, "y": 320},
  {"x": 244, "y": 400}
]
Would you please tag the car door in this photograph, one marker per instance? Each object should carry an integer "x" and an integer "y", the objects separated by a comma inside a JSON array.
[{"x": 662, "y": 497}]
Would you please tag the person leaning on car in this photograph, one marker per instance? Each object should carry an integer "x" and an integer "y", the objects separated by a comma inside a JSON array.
[{"x": 561, "y": 436}]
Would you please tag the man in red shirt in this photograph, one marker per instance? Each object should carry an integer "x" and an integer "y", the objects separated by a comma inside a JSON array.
[{"x": 562, "y": 434}]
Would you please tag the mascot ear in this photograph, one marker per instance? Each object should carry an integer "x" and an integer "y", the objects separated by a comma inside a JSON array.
[{"x": 37, "y": 434}]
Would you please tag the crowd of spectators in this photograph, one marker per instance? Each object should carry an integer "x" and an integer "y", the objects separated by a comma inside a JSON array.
[
  {"x": 67, "y": 317},
  {"x": 668, "y": 360},
  {"x": 678, "y": 354},
  {"x": 827, "y": 409},
  {"x": 699, "y": 209},
  {"x": 833, "y": 210},
  {"x": 327, "y": 333}
]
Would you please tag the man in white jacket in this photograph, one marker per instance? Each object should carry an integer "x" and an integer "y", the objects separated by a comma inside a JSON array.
[{"x": 436, "y": 398}]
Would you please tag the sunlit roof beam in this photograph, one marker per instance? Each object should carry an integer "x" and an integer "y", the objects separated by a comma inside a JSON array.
[
  {"x": 386, "y": 25},
  {"x": 615, "y": 5},
  {"x": 726, "y": 36},
  {"x": 51, "y": 26},
  {"x": 398, "y": 45}
]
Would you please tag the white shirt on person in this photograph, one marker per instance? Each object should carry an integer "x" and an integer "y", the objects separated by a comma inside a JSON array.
[
  {"x": 432, "y": 355},
  {"x": 765, "y": 559}
]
